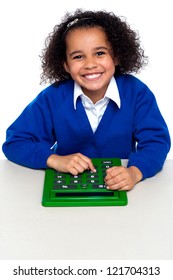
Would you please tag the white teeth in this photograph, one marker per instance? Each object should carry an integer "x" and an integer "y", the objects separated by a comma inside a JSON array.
[{"x": 92, "y": 76}]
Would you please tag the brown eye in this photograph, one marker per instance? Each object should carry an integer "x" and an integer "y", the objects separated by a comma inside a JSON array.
[
  {"x": 100, "y": 53},
  {"x": 77, "y": 57}
]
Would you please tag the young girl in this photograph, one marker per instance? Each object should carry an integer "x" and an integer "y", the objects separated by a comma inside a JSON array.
[{"x": 94, "y": 107}]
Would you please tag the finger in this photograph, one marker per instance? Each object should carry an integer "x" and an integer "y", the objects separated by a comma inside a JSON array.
[
  {"x": 89, "y": 163},
  {"x": 76, "y": 168},
  {"x": 126, "y": 188},
  {"x": 91, "y": 166},
  {"x": 114, "y": 170},
  {"x": 119, "y": 186},
  {"x": 79, "y": 164},
  {"x": 110, "y": 169},
  {"x": 111, "y": 179},
  {"x": 73, "y": 171}
]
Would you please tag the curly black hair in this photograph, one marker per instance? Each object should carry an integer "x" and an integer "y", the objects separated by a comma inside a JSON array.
[{"x": 124, "y": 41}]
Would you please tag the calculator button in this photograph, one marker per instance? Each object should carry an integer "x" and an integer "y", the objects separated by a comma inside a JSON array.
[
  {"x": 60, "y": 182},
  {"x": 92, "y": 181},
  {"x": 65, "y": 187},
  {"x": 59, "y": 176},
  {"x": 98, "y": 186},
  {"x": 92, "y": 176},
  {"x": 104, "y": 167},
  {"x": 90, "y": 171},
  {"x": 75, "y": 181},
  {"x": 74, "y": 176},
  {"x": 107, "y": 162}
]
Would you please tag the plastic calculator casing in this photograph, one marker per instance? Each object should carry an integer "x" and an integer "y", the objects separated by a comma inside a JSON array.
[{"x": 85, "y": 189}]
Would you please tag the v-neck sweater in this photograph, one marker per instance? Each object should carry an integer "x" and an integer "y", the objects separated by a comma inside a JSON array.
[{"x": 136, "y": 131}]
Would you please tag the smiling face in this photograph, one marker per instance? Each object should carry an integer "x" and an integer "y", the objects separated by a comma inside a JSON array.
[{"x": 89, "y": 60}]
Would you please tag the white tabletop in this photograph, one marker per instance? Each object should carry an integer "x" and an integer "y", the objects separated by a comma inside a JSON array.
[{"x": 141, "y": 230}]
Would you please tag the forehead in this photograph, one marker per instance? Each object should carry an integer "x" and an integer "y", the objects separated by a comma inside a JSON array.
[{"x": 86, "y": 35}]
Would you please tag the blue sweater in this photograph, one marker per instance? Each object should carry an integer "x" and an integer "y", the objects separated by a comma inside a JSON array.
[{"x": 136, "y": 131}]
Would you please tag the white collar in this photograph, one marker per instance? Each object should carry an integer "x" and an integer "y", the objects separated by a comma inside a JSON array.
[{"x": 111, "y": 93}]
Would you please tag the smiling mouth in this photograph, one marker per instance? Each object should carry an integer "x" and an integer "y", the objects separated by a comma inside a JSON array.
[{"x": 93, "y": 76}]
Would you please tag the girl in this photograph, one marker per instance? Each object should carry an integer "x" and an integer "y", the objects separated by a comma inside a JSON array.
[{"x": 94, "y": 107}]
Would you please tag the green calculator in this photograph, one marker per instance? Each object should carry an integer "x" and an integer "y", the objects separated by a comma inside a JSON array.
[{"x": 85, "y": 189}]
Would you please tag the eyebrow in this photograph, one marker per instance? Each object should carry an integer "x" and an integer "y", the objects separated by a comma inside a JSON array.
[{"x": 95, "y": 49}]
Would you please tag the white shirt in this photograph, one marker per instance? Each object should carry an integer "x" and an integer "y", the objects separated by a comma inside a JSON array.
[{"x": 95, "y": 111}]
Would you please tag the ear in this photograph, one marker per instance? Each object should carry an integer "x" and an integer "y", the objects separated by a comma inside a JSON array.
[
  {"x": 66, "y": 67},
  {"x": 116, "y": 61}
]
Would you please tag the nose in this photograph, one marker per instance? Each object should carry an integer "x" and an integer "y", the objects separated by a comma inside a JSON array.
[{"x": 90, "y": 63}]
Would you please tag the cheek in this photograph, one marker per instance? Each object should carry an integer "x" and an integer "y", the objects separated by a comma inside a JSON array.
[
  {"x": 74, "y": 69},
  {"x": 109, "y": 63},
  {"x": 111, "y": 66}
]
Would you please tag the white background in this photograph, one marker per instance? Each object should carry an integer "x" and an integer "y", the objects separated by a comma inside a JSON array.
[{"x": 24, "y": 25}]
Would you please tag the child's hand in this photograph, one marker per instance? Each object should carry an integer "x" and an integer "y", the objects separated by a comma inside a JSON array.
[
  {"x": 74, "y": 164},
  {"x": 122, "y": 178}
]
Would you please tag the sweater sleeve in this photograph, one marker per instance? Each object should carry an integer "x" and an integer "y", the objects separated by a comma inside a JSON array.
[
  {"x": 30, "y": 138},
  {"x": 151, "y": 135}
]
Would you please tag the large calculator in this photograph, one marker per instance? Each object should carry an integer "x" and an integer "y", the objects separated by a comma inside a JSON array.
[{"x": 85, "y": 189}]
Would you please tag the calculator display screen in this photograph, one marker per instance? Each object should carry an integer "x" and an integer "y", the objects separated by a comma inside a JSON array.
[{"x": 109, "y": 193}]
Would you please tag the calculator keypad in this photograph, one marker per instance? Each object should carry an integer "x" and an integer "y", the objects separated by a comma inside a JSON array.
[{"x": 85, "y": 180}]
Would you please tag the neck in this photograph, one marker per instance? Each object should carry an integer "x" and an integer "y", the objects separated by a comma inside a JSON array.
[{"x": 94, "y": 96}]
